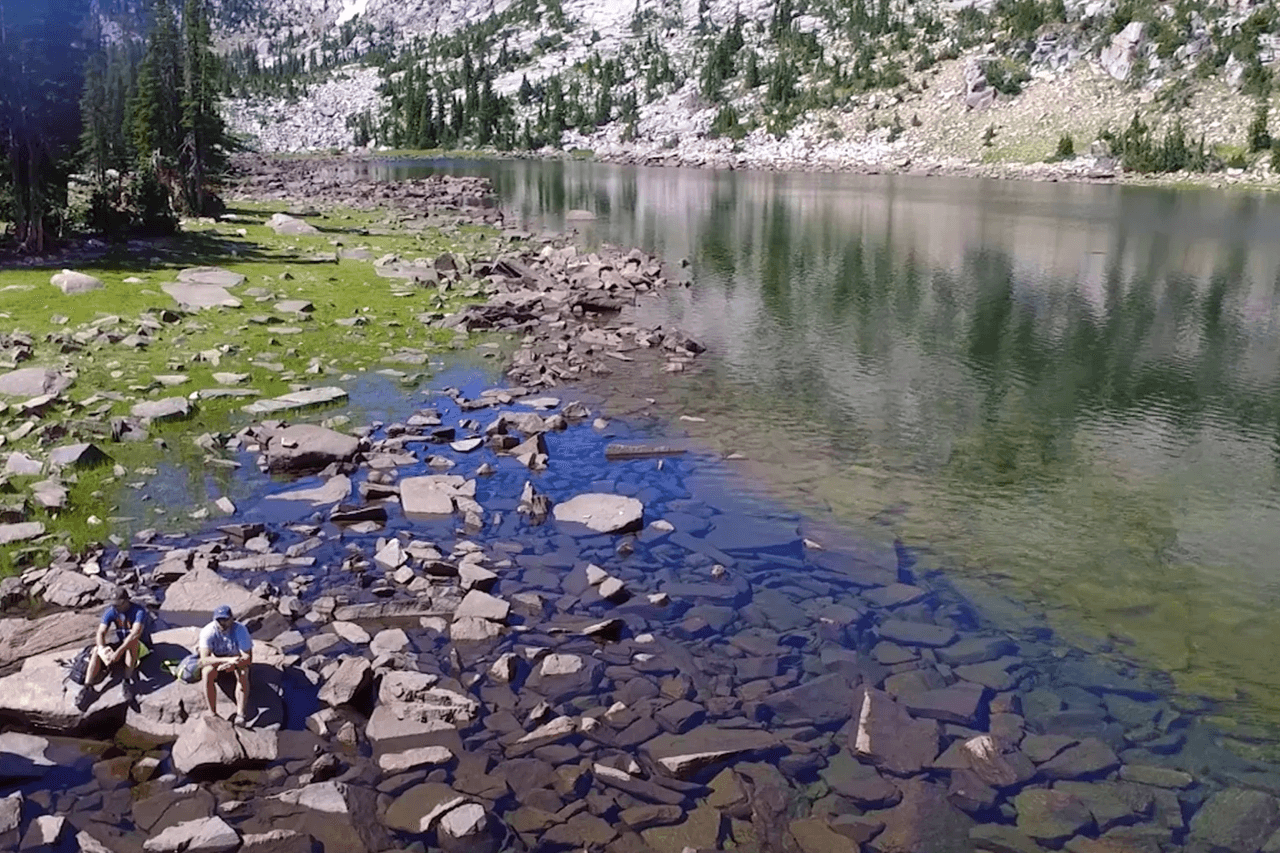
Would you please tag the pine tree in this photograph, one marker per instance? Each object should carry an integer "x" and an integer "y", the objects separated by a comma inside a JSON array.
[
  {"x": 204, "y": 135},
  {"x": 95, "y": 143}
]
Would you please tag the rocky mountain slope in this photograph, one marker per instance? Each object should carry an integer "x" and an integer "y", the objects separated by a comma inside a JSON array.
[{"x": 798, "y": 83}]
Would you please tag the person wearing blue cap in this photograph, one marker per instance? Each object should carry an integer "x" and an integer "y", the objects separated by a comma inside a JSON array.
[{"x": 225, "y": 646}]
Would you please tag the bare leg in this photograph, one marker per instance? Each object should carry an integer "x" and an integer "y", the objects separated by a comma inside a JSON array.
[
  {"x": 210, "y": 676},
  {"x": 242, "y": 692},
  {"x": 94, "y": 670},
  {"x": 130, "y": 658}
]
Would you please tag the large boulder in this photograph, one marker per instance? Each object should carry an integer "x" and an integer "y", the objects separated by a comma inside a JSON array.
[
  {"x": 22, "y": 757},
  {"x": 306, "y": 447},
  {"x": 205, "y": 835},
  {"x": 21, "y": 639},
  {"x": 39, "y": 697},
  {"x": 33, "y": 382},
  {"x": 884, "y": 734},
  {"x": 1117, "y": 58},
  {"x": 602, "y": 513},
  {"x": 168, "y": 409},
  {"x": 196, "y": 297},
  {"x": 69, "y": 588},
  {"x": 200, "y": 590},
  {"x": 286, "y": 225},
  {"x": 216, "y": 276},
  {"x": 1234, "y": 821},
  {"x": 70, "y": 281},
  {"x": 211, "y": 744},
  {"x": 164, "y": 706}
]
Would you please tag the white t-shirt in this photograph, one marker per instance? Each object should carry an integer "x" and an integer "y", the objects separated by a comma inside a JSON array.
[{"x": 225, "y": 644}]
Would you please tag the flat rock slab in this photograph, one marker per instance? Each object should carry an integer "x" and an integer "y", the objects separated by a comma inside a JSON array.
[
  {"x": 211, "y": 275},
  {"x": 1234, "y": 820},
  {"x": 69, "y": 281},
  {"x": 296, "y": 400},
  {"x": 165, "y": 706},
  {"x": 885, "y": 735},
  {"x": 39, "y": 697},
  {"x": 168, "y": 409},
  {"x": 924, "y": 822},
  {"x": 33, "y": 382},
  {"x": 22, "y": 638},
  {"x": 204, "y": 835},
  {"x": 307, "y": 447},
  {"x": 20, "y": 531},
  {"x": 431, "y": 495},
  {"x": 79, "y": 455},
  {"x": 1051, "y": 816},
  {"x": 335, "y": 490},
  {"x": 961, "y": 703},
  {"x": 602, "y": 513},
  {"x": 197, "y": 297},
  {"x": 284, "y": 224},
  {"x": 916, "y": 633},
  {"x": 202, "y": 589},
  {"x": 684, "y": 755}
]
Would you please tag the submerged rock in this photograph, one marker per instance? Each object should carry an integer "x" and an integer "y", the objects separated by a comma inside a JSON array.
[{"x": 602, "y": 513}]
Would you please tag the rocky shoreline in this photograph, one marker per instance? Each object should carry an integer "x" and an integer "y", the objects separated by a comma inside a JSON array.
[{"x": 507, "y": 622}]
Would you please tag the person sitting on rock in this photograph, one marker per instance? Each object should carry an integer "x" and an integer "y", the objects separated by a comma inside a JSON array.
[
  {"x": 225, "y": 646},
  {"x": 121, "y": 636}
]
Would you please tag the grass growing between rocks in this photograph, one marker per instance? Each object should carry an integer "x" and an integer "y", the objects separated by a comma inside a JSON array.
[{"x": 270, "y": 350}]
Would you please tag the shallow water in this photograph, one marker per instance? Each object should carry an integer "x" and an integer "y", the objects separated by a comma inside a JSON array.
[{"x": 1069, "y": 392}]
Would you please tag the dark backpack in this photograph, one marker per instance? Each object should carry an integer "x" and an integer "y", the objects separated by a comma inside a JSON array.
[{"x": 78, "y": 666}]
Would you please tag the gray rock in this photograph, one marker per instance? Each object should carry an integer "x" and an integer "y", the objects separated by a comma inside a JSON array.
[
  {"x": 39, "y": 697},
  {"x": 684, "y": 755},
  {"x": 202, "y": 589},
  {"x": 335, "y": 490},
  {"x": 1234, "y": 821},
  {"x": 33, "y": 382},
  {"x": 19, "y": 464},
  {"x": 286, "y": 225},
  {"x": 924, "y": 822},
  {"x": 44, "y": 833},
  {"x": 10, "y": 820},
  {"x": 916, "y": 633},
  {"x": 305, "y": 447},
  {"x": 1051, "y": 816},
  {"x": 205, "y": 835},
  {"x": 389, "y": 641},
  {"x": 418, "y": 809},
  {"x": 168, "y": 409},
  {"x": 80, "y": 455},
  {"x": 412, "y": 759},
  {"x": 353, "y": 675},
  {"x": 972, "y": 650},
  {"x": 960, "y": 703},
  {"x": 22, "y": 638},
  {"x": 20, "y": 531},
  {"x": 602, "y": 513},
  {"x": 430, "y": 495},
  {"x": 22, "y": 757},
  {"x": 69, "y": 281},
  {"x": 216, "y": 276},
  {"x": 482, "y": 605},
  {"x": 212, "y": 743},
  {"x": 329, "y": 797},
  {"x": 67, "y": 588},
  {"x": 466, "y": 829},
  {"x": 197, "y": 297},
  {"x": 1090, "y": 757},
  {"x": 295, "y": 400},
  {"x": 1159, "y": 777},
  {"x": 887, "y": 736},
  {"x": 1001, "y": 839},
  {"x": 1117, "y": 58},
  {"x": 294, "y": 306},
  {"x": 473, "y": 629}
]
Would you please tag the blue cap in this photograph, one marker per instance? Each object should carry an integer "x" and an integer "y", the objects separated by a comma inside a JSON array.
[{"x": 223, "y": 612}]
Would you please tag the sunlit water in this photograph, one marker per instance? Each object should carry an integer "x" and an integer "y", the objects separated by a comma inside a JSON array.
[{"x": 1069, "y": 392}]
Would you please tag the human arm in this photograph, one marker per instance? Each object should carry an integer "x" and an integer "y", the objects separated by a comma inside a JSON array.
[{"x": 134, "y": 636}]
